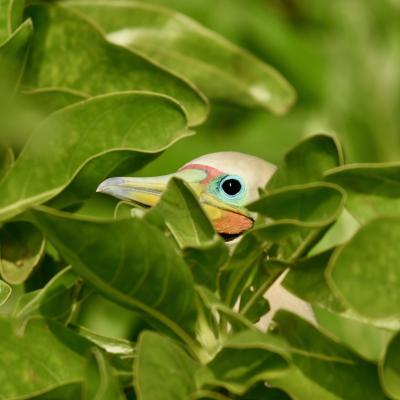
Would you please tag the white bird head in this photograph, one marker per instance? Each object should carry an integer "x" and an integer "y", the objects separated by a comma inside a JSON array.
[{"x": 224, "y": 183}]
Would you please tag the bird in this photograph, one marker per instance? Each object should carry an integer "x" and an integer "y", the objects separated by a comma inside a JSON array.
[{"x": 224, "y": 183}]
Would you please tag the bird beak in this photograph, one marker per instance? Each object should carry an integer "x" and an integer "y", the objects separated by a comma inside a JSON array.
[{"x": 147, "y": 192}]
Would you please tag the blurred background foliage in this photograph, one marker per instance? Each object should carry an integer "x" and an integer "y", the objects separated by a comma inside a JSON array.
[{"x": 343, "y": 59}]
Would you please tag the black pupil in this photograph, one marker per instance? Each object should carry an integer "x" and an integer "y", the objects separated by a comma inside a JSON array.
[{"x": 231, "y": 186}]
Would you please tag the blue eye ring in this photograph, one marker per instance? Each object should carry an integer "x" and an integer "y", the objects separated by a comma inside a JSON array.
[{"x": 231, "y": 186}]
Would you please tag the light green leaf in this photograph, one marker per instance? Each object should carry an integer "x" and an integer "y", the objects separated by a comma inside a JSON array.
[
  {"x": 6, "y": 160},
  {"x": 245, "y": 359},
  {"x": 307, "y": 161},
  {"x": 319, "y": 363},
  {"x": 365, "y": 339},
  {"x": 114, "y": 127},
  {"x": 161, "y": 360},
  {"x": 101, "y": 382},
  {"x": 23, "y": 371},
  {"x": 13, "y": 55},
  {"x": 365, "y": 272},
  {"x": 21, "y": 248},
  {"x": 10, "y": 17},
  {"x": 373, "y": 190},
  {"x": 221, "y": 69},
  {"x": 55, "y": 300},
  {"x": 130, "y": 262},
  {"x": 5, "y": 292},
  {"x": 62, "y": 392},
  {"x": 389, "y": 368},
  {"x": 95, "y": 66}
]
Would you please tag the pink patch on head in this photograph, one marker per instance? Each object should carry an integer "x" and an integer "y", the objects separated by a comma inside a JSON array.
[
  {"x": 211, "y": 172},
  {"x": 232, "y": 223}
]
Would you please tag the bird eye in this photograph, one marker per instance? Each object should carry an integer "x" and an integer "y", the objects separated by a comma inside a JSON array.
[{"x": 231, "y": 185}]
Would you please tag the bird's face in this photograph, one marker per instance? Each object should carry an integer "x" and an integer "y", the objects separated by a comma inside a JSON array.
[{"x": 223, "y": 182}]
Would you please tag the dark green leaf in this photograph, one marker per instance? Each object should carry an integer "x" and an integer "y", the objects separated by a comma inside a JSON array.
[
  {"x": 163, "y": 370},
  {"x": 95, "y": 66},
  {"x": 373, "y": 190},
  {"x": 21, "y": 248},
  {"x": 10, "y": 17},
  {"x": 222, "y": 70},
  {"x": 307, "y": 162},
  {"x": 390, "y": 368},
  {"x": 76, "y": 135},
  {"x": 365, "y": 272},
  {"x": 121, "y": 260}
]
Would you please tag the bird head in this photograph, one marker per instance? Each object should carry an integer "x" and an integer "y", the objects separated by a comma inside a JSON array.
[{"x": 223, "y": 182}]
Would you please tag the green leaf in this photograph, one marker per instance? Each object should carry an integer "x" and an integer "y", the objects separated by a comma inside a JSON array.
[
  {"x": 13, "y": 55},
  {"x": 67, "y": 391},
  {"x": 113, "y": 127},
  {"x": 181, "y": 213},
  {"x": 55, "y": 300},
  {"x": 221, "y": 69},
  {"x": 389, "y": 368},
  {"x": 95, "y": 66},
  {"x": 5, "y": 292},
  {"x": 373, "y": 190},
  {"x": 365, "y": 339},
  {"x": 307, "y": 161},
  {"x": 6, "y": 160},
  {"x": 23, "y": 370},
  {"x": 130, "y": 262},
  {"x": 162, "y": 369},
  {"x": 323, "y": 368},
  {"x": 365, "y": 272},
  {"x": 21, "y": 248},
  {"x": 314, "y": 204},
  {"x": 245, "y": 359},
  {"x": 10, "y": 17},
  {"x": 101, "y": 382}
]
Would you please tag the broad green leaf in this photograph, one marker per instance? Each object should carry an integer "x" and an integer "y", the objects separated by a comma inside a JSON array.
[
  {"x": 130, "y": 262},
  {"x": 373, "y": 190},
  {"x": 63, "y": 392},
  {"x": 262, "y": 391},
  {"x": 365, "y": 339},
  {"x": 21, "y": 248},
  {"x": 10, "y": 17},
  {"x": 221, "y": 69},
  {"x": 55, "y": 300},
  {"x": 307, "y": 161},
  {"x": 389, "y": 368},
  {"x": 5, "y": 291},
  {"x": 101, "y": 382},
  {"x": 184, "y": 217},
  {"x": 365, "y": 272},
  {"x": 115, "y": 127},
  {"x": 23, "y": 371},
  {"x": 245, "y": 359},
  {"x": 320, "y": 364},
  {"x": 95, "y": 66},
  {"x": 13, "y": 55},
  {"x": 307, "y": 281},
  {"x": 315, "y": 204},
  {"x": 6, "y": 160},
  {"x": 163, "y": 370}
]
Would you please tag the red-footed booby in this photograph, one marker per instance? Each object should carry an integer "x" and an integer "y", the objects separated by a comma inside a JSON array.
[{"x": 224, "y": 183}]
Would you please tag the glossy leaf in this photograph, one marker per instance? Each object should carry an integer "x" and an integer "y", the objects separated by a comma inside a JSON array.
[
  {"x": 21, "y": 248},
  {"x": 160, "y": 360},
  {"x": 219, "y": 68},
  {"x": 245, "y": 358},
  {"x": 307, "y": 162},
  {"x": 318, "y": 363},
  {"x": 373, "y": 190},
  {"x": 368, "y": 280},
  {"x": 120, "y": 260},
  {"x": 118, "y": 135},
  {"x": 21, "y": 357},
  {"x": 96, "y": 66},
  {"x": 390, "y": 368}
]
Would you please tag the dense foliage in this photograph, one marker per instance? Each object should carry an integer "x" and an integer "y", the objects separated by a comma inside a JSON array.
[{"x": 100, "y": 300}]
